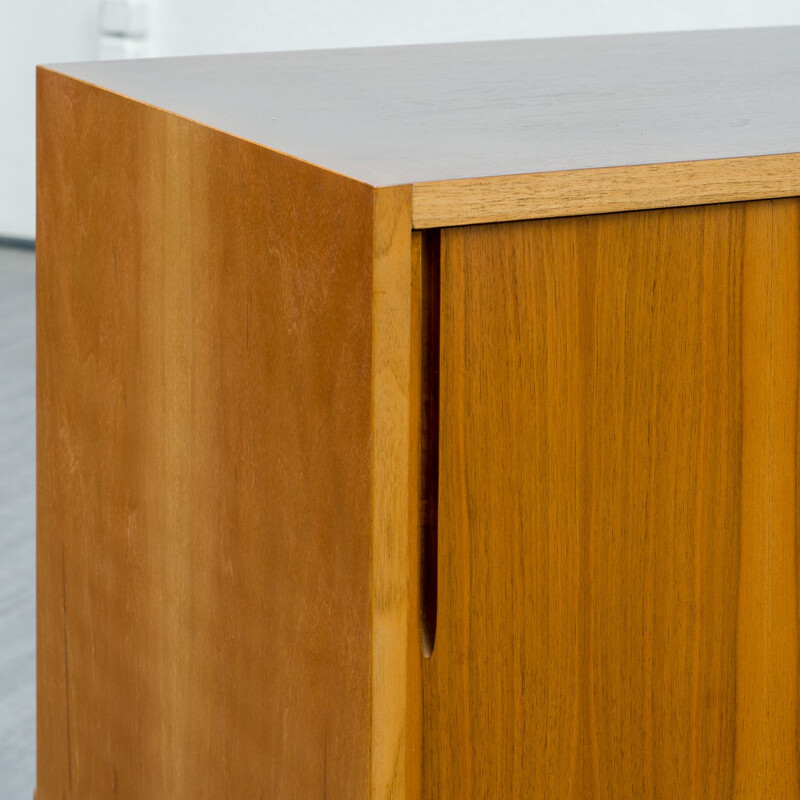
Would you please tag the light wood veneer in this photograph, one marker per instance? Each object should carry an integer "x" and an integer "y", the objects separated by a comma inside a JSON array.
[{"x": 421, "y": 422}]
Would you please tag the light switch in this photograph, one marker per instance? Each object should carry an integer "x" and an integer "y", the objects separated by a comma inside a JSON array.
[{"x": 125, "y": 18}]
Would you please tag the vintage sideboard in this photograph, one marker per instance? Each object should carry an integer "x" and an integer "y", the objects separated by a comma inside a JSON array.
[{"x": 422, "y": 422}]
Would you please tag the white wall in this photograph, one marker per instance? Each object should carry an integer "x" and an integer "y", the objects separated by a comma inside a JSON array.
[
  {"x": 300, "y": 24},
  {"x": 34, "y": 31}
]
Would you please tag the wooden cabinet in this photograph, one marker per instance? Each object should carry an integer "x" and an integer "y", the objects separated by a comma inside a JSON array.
[{"x": 422, "y": 422}]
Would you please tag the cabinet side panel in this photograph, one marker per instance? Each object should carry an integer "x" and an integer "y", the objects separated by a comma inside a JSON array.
[
  {"x": 618, "y": 608},
  {"x": 204, "y": 461}
]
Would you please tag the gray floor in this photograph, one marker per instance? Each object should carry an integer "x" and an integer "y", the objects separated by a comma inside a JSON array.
[{"x": 17, "y": 545}]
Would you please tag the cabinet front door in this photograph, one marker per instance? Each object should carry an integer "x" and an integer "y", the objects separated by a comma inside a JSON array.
[{"x": 617, "y": 610}]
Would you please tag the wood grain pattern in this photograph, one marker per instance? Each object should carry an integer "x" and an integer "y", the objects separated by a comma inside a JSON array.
[
  {"x": 391, "y": 398},
  {"x": 768, "y": 711},
  {"x": 506, "y": 198},
  {"x": 413, "y": 766},
  {"x": 204, "y": 461},
  {"x": 232, "y": 424},
  {"x": 618, "y": 509}
]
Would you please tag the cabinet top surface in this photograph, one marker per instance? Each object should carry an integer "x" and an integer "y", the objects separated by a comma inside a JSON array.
[{"x": 412, "y": 114}]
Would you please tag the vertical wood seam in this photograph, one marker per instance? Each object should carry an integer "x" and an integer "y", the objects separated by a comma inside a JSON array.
[{"x": 391, "y": 349}]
